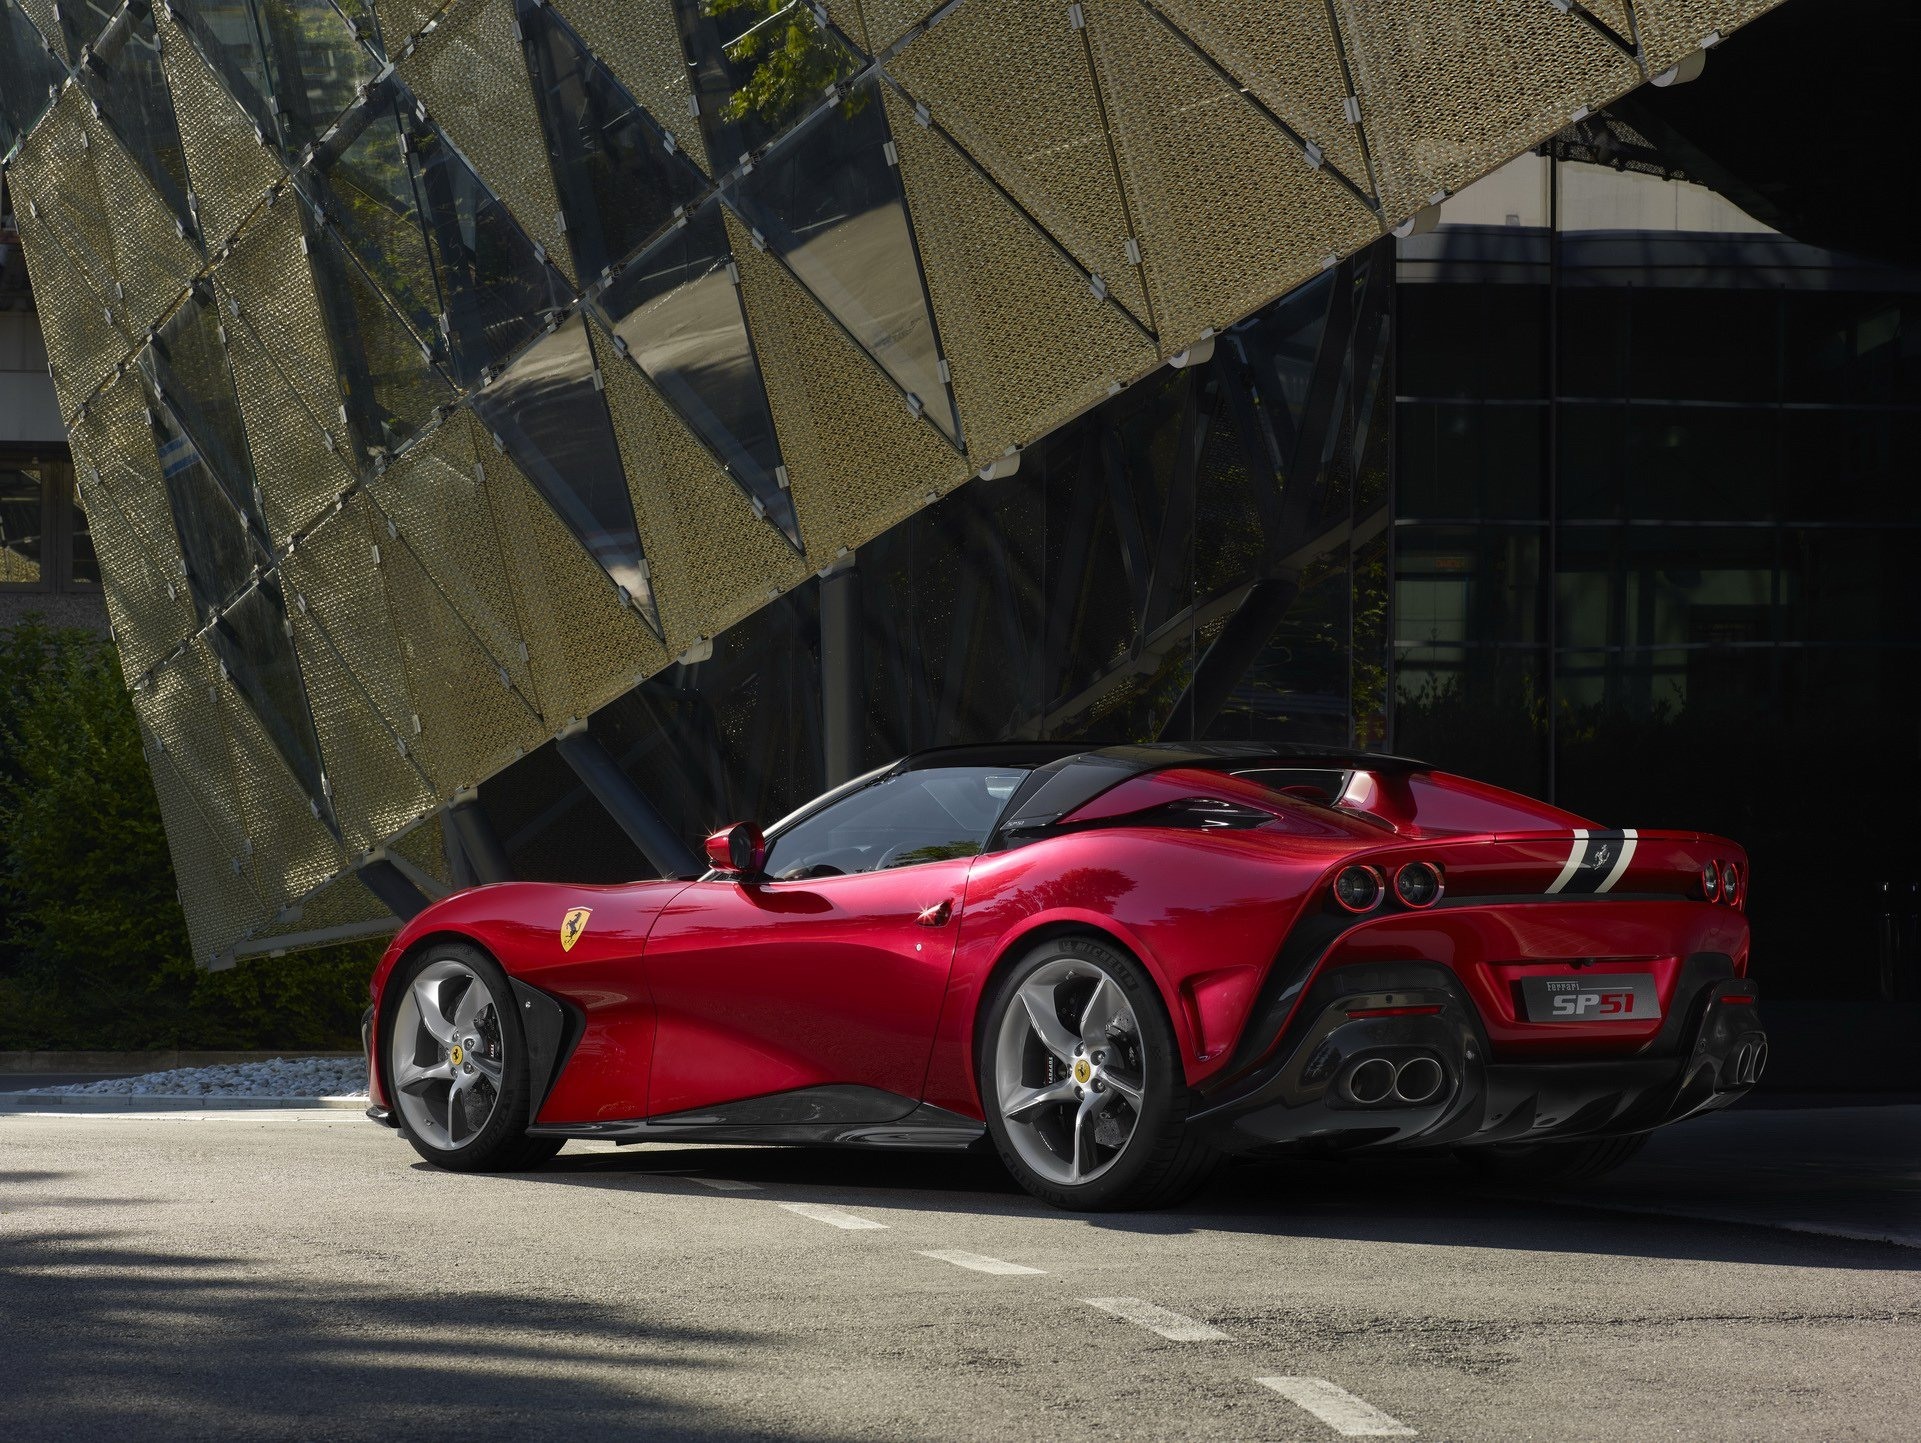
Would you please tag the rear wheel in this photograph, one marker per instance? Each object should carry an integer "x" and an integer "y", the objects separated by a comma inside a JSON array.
[
  {"x": 456, "y": 1070},
  {"x": 1556, "y": 1164},
  {"x": 1081, "y": 1081}
]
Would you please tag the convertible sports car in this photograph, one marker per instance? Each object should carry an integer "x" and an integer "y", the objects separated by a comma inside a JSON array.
[{"x": 1115, "y": 964}]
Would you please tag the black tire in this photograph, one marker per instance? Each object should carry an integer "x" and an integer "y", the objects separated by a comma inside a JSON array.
[
  {"x": 1162, "y": 1163},
  {"x": 1552, "y": 1164},
  {"x": 502, "y": 1145}
]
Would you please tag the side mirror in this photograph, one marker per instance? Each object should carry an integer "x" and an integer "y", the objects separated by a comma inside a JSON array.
[{"x": 740, "y": 849}]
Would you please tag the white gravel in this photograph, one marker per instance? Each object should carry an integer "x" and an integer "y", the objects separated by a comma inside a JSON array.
[{"x": 276, "y": 1077}]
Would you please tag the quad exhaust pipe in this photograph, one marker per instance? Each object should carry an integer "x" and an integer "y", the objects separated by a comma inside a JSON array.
[
  {"x": 1375, "y": 1081},
  {"x": 1745, "y": 1067}
]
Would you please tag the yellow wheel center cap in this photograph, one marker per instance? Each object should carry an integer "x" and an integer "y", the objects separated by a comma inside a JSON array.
[
  {"x": 455, "y": 1055},
  {"x": 1083, "y": 1070}
]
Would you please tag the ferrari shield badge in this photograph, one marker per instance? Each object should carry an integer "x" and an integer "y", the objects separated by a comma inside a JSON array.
[{"x": 572, "y": 925}]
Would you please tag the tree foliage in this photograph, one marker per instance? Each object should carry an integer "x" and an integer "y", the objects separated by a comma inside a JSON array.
[{"x": 93, "y": 944}]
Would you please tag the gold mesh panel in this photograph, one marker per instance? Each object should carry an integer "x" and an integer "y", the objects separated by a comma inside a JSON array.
[
  {"x": 151, "y": 611},
  {"x": 1029, "y": 343},
  {"x": 1671, "y": 29},
  {"x": 1011, "y": 83},
  {"x": 1450, "y": 91},
  {"x": 586, "y": 647},
  {"x": 426, "y": 847},
  {"x": 152, "y": 259},
  {"x": 472, "y": 722},
  {"x": 376, "y": 787},
  {"x": 113, "y": 439},
  {"x": 283, "y": 371},
  {"x": 846, "y": 17},
  {"x": 217, "y": 892},
  {"x": 858, "y": 460},
  {"x": 228, "y": 166},
  {"x": 401, "y": 18},
  {"x": 436, "y": 495},
  {"x": 712, "y": 560},
  {"x": 1285, "y": 52},
  {"x": 640, "y": 44},
  {"x": 1193, "y": 151},
  {"x": 1614, "y": 15},
  {"x": 69, "y": 254},
  {"x": 46, "y": 20},
  {"x": 343, "y": 902},
  {"x": 887, "y": 20},
  {"x": 470, "y": 73}
]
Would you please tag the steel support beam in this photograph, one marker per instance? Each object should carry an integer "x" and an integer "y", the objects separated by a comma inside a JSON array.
[
  {"x": 390, "y": 885},
  {"x": 659, "y": 843},
  {"x": 1221, "y": 668},
  {"x": 843, "y": 718},
  {"x": 481, "y": 852}
]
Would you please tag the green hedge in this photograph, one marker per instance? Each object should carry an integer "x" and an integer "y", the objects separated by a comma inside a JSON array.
[{"x": 93, "y": 945}]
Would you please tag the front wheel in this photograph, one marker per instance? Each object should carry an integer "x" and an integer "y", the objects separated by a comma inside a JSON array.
[
  {"x": 1081, "y": 1081},
  {"x": 456, "y": 1060}
]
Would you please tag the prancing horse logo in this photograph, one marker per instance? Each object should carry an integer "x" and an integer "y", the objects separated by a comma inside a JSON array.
[
  {"x": 572, "y": 925},
  {"x": 1600, "y": 857}
]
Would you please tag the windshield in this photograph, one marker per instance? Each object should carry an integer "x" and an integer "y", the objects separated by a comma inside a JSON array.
[{"x": 928, "y": 815}]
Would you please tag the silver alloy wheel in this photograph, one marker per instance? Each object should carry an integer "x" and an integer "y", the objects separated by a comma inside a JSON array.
[
  {"x": 447, "y": 1055},
  {"x": 1069, "y": 1091}
]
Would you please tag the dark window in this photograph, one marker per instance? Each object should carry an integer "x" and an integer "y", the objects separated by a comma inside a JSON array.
[
  {"x": 921, "y": 816},
  {"x": 44, "y": 541}
]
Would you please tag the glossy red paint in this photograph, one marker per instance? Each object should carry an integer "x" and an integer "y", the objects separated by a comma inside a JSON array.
[{"x": 696, "y": 994}]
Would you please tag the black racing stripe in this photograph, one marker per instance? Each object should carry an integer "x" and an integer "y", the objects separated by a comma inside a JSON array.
[{"x": 1597, "y": 860}]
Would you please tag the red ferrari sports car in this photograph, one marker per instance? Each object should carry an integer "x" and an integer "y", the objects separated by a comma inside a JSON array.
[{"x": 1115, "y": 965}]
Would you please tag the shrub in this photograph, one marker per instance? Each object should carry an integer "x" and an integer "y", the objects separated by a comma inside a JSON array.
[{"x": 93, "y": 945}]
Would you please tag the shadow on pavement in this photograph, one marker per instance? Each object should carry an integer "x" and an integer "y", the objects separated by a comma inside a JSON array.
[
  {"x": 104, "y": 1339},
  {"x": 1434, "y": 1201}
]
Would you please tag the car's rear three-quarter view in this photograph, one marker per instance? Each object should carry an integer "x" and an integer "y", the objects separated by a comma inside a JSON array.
[{"x": 1113, "y": 966}]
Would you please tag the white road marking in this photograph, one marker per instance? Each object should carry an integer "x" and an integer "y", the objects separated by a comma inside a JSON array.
[
  {"x": 1158, "y": 1320},
  {"x": 833, "y": 1217},
  {"x": 1347, "y": 1415},
  {"x": 727, "y": 1184},
  {"x": 978, "y": 1263}
]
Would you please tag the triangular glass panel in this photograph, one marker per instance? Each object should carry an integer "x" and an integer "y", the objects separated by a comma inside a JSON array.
[
  {"x": 389, "y": 383},
  {"x": 619, "y": 175},
  {"x": 254, "y": 645},
  {"x": 424, "y": 226},
  {"x": 29, "y": 74},
  {"x": 220, "y": 555},
  {"x": 131, "y": 93},
  {"x": 547, "y": 410},
  {"x": 759, "y": 66},
  {"x": 81, "y": 22},
  {"x": 829, "y": 203},
  {"x": 677, "y": 311},
  {"x": 295, "y": 65},
  {"x": 186, "y": 368}
]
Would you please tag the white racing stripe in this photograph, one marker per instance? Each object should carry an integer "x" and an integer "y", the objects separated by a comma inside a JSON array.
[
  {"x": 1158, "y": 1320},
  {"x": 833, "y": 1217},
  {"x": 727, "y": 1184},
  {"x": 1574, "y": 856},
  {"x": 1347, "y": 1415},
  {"x": 1629, "y": 840},
  {"x": 980, "y": 1264}
]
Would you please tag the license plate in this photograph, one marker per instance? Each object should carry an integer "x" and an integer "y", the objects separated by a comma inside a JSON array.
[{"x": 1627, "y": 998}]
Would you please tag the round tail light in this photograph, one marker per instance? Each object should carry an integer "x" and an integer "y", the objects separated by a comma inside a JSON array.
[
  {"x": 1358, "y": 889},
  {"x": 1730, "y": 883},
  {"x": 1710, "y": 880},
  {"x": 1418, "y": 885}
]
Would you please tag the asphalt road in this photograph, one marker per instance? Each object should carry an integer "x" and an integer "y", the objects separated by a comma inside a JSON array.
[{"x": 303, "y": 1276}]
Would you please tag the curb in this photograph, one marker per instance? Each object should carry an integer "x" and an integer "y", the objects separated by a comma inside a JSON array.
[{"x": 154, "y": 1102}]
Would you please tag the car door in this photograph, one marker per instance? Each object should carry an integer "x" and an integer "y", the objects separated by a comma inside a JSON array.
[{"x": 828, "y": 971}]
